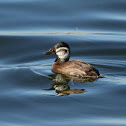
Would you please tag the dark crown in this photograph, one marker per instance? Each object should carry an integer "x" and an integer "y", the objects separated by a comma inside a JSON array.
[{"x": 62, "y": 44}]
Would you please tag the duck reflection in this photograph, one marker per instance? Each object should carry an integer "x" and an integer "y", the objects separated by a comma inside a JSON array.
[
  {"x": 61, "y": 84},
  {"x": 60, "y": 78}
]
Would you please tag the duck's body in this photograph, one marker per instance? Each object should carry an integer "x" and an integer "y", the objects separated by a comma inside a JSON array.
[{"x": 76, "y": 68}]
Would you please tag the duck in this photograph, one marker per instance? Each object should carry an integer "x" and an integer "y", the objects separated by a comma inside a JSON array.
[{"x": 75, "y": 68}]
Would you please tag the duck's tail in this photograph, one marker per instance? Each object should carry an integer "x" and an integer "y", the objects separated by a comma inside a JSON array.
[{"x": 100, "y": 76}]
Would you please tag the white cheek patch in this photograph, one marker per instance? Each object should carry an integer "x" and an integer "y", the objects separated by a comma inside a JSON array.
[
  {"x": 61, "y": 52},
  {"x": 61, "y": 48}
]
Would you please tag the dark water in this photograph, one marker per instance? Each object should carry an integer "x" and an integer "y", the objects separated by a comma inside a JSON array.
[{"x": 96, "y": 33}]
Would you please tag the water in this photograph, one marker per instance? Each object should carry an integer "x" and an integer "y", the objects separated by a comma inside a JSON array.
[{"x": 95, "y": 31}]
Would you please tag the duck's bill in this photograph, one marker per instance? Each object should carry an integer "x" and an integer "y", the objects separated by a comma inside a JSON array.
[
  {"x": 51, "y": 51},
  {"x": 46, "y": 53}
]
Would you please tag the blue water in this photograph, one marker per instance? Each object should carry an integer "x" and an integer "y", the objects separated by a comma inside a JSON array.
[{"x": 96, "y": 33}]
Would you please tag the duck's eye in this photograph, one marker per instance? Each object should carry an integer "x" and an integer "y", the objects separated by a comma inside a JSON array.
[{"x": 65, "y": 51}]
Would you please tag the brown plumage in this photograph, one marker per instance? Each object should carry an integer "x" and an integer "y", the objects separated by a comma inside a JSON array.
[{"x": 76, "y": 68}]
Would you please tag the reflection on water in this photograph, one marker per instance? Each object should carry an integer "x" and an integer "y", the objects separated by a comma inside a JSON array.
[
  {"x": 61, "y": 85},
  {"x": 59, "y": 78}
]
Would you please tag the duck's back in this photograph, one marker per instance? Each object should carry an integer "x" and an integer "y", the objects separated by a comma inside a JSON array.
[{"x": 75, "y": 68}]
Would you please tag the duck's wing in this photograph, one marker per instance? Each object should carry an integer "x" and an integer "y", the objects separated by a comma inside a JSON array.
[
  {"x": 79, "y": 68},
  {"x": 89, "y": 69}
]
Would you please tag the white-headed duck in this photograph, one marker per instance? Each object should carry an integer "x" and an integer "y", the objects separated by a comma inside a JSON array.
[{"x": 76, "y": 68}]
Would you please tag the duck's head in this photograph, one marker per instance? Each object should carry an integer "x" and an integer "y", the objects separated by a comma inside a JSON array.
[{"x": 61, "y": 49}]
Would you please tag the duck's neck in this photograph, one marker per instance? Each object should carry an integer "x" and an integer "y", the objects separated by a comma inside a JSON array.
[{"x": 60, "y": 61}]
